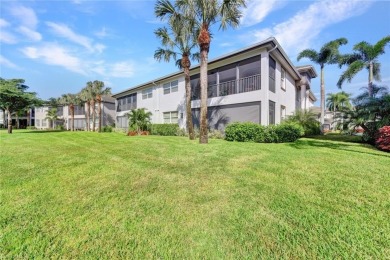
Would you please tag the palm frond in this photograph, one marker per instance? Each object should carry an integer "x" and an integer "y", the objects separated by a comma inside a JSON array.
[
  {"x": 310, "y": 54},
  {"x": 351, "y": 71},
  {"x": 164, "y": 54}
]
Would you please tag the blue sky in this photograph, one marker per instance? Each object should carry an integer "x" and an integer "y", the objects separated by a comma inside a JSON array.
[{"x": 57, "y": 46}]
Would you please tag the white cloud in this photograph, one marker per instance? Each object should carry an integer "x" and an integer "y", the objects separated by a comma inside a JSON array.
[
  {"x": 298, "y": 32},
  {"x": 54, "y": 54},
  {"x": 7, "y": 37},
  {"x": 25, "y": 15},
  {"x": 64, "y": 31},
  {"x": 31, "y": 34},
  {"x": 7, "y": 63},
  {"x": 124, "y": 69},
  {"x": 4, "y": 23},
  {"x": 102, "y": 33},
  {"x": 257, "y": 10}
]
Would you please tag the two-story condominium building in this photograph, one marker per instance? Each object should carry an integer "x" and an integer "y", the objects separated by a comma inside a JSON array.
[
  {"x": 80, "y": 115},
  {"x": 258, "y": 84}
]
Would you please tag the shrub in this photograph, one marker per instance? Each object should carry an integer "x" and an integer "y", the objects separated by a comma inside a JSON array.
[
  {"x": 289, "y": 132},
  {"x": 60, "y": 127},
  {"x": 216, "y": 134},
  {"x": 144, "y": 133},
  {"x": 382, "y": 140},
  {"x": 132, "y": 133},
  {"x": 306, "y": 119},
  {"x": 119, "y": 130},
  {"x": 181, "y": 132},
  {"x": 107, "y": 129},
  {"x": 164, "y": 129},
  {"x": 31, "y": 128},
  {"x": 251, "y": 132},
  {"x": 243, "y": 132}
]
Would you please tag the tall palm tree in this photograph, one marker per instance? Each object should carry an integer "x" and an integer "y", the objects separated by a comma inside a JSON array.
[
  {"x": 69, "y": 100},
  {"x": 202, "y": 15},
  {"x": 178, "y": 40},
  {"x": 365, "y": 56},
  {"x": 86, "y": 96},
  {"x": 98, "y": 92},
  {"x": 328, "y": 54}
]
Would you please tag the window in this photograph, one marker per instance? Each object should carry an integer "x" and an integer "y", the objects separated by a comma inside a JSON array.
[
  {"x": 283, "y": 79},
  {"x": 127, "y": 102},
  {"x": 37, "y": 122},
  {"x": 43, "y": 122},
  {"x": 170, "y": 87},
  {"x": 249, "y": 73},
  {"x": 272, "y": 67},
  {"x": 271, "y": 116},
  {"x": 282, "y": 113},
  {"x": 122, "y": 122},
  {"x": 227, "y": 80},
  {"x": 170, "y": 117},
  {"x": 147, "y": 93},
  {"x": 195, "y": 87}
]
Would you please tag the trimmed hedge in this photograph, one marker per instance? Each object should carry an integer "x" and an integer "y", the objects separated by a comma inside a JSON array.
[
  {"x": 251, "y": 132},
  {"x": 164, "y": 129}
]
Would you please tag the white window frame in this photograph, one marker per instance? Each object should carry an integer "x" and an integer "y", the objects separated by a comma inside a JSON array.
[
  {"x": 147, "y": 93},
  {"x": 171, "y": 87},
  {"x": 171, "y": 119},
  {"x": 283, "y": 79}
]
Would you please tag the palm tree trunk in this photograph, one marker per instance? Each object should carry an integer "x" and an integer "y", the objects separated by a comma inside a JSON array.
[
  {"x": 100, "y": 114},
  {"x": 9, "y": 122},
  {"x": 93, "y": 115},
  {"x": 88, "y": 116},
  {"x": 28, "y": 117},
  {"x": 190, "y": 127},
  {"x": 4, "y": 119},
  {"x": 370, "y": 79},
  {"x": 322, "y": 95},
  {"x": 334, "y": 117},
  {"x": 204, "y": 44},
  {"x": 17, "y": 120}
]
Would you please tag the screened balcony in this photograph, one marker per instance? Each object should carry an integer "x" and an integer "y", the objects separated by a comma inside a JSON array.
[
  {"x": 128, "y": 102},
  {"x": 240, "y": 77}
]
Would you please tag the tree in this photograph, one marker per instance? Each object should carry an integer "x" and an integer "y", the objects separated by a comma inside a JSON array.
[
  {"x": 139, "y": 119},
  {"x": 365, "y": 56},
  {"x": 98, "y": 91},
  {"x": 52, "y": 116},
  {"x": 371, "y": 111},
  {"x": 14, "y": 98},
  {"x": 202, "y": 15},
  {"x": 86, "y": 95},
  {"x": 307, "y": 119},
  {"x": 178, "y": 40},
  {"x": 328, "y": 54},
  {"x": 338, "y": 102},
  {"x": 70, "y": 100}
]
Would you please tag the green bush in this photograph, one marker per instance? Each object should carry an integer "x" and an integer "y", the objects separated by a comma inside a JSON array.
[
  {"x": 164, "y": 129},
  {"x": 31, "y": 128},
  {"x": 244, "y": 132},
  {"x": 107, "y": 129},
  {"x": 60, "y": 127},
  {"x": 251, "y": 132},
  {"x": 216, "y": 134}
]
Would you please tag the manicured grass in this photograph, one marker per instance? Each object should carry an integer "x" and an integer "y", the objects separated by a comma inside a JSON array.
[{"x": 90, "y": 195}]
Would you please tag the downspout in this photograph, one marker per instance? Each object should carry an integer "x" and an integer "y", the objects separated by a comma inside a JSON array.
[
  {"x": 274, "y": 48},
  {"x": 158, "y": 104}
]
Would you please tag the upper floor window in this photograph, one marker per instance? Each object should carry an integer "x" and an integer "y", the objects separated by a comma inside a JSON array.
[
  {"x": 282, "y": 113},
  {"x": 170, "y": 87},
  {"x": 283, "y": 79},
  {"x": 272, "y": 68},
  {"x": 147, "y": 93}
]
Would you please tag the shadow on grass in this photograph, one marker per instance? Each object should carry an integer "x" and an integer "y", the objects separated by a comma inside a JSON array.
[
  {"x": 41, "y": 131},
  {"x": 339, "y": 145}
]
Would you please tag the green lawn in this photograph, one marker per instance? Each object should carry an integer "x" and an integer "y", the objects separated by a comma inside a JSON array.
[{"x": 90, "y": 195}]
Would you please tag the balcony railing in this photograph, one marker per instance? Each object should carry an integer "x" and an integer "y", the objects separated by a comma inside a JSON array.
[
  {"x": 241, "y": 85},
  {"x": 126, "y": 107}
]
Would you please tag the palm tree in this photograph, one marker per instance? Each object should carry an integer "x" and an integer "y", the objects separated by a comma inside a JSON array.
[
  {"x": 69, "y": 100},
  {"x": 338, "y": 102},
  {"x": 52, "y": 116},
  {"x": 86, "y": 96},
  {"x": 139, "y": 119},
  {"x": 98, "y": 91},
  {"x": 328, "y": 54},
  {"x": 201, "y": 15},
  {"x": 365, "y": 56},
  {"x": 178, "y": 40}
]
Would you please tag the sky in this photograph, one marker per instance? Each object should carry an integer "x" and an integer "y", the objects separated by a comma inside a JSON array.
[{"x": 58, "y": 46}]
